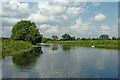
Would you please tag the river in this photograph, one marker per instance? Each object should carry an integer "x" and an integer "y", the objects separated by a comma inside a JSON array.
[{"x": 61, "y": 61}]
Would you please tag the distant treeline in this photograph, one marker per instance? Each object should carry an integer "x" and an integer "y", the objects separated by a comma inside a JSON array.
[{"x": 67, "y": 37}]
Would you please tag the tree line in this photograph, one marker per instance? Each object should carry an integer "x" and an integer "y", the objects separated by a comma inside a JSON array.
[
  {"x": 28, "y": 31},
  {"x": 67, "y": 37}
]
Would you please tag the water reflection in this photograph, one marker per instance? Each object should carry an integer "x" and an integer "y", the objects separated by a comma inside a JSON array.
[
  {"x": 26, "y": 59},
  {"x": 55, "y": 47},
  {"x": 66, "y": 47},
  {"x": 68, "y": 62}
]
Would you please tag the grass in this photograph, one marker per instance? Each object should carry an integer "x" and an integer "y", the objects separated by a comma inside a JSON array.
[
  {"x": 107, "y": 44},
  {"x": 0, "y": 49},
  {"x": 12, "y": 47}
]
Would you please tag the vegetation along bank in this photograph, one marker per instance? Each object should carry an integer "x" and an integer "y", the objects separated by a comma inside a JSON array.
[{"x": 107, "y": 44}]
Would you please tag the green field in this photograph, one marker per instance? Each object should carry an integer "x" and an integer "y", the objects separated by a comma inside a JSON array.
[{"x": 107, "y": 44}]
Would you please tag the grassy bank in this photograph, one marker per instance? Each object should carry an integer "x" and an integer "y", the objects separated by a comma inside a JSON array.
[
  {"x": 0, "y": 49},
  {"x": 108, "y": 44},
  {"x": 0, "y": 46},
  {"x": 12, "y": 47}
]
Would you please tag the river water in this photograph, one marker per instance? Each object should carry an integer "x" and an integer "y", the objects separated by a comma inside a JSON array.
[{"x": 61, "y": 61}]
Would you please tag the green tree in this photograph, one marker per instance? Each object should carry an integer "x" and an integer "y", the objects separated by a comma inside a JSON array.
[
  {"x": 113, "y": 38},
  {"x": 61, "y": 40},
  {"x": 104, "y": 37},
  {"x": 78, "y": 39},
  {"x": 93, "y": 39},
  {"x": 83, "y": 38},
  {"x": 26, "y": 31},
  {"x": 55, "y": 38},
  {"x": 44, "y": 40},
  {"x": 66, "y": 37},
  {"x": 72, "y": 38},
  {"x": 88, "y": 38}
]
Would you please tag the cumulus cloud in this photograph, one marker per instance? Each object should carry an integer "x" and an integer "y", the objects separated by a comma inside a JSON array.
[
  {"x": 15, "y": 9},
  {"x": 82, "y": 28},
  {"x": 9, "y": 21},
  {"x": 37, "y": 17},
  {"x": 54, "y": 18},
  {"x": 78, "y": 23},
  {"x": 81, "y": 24},
  {"x": 0, "y": 8},
  {"x": 99, "y": 17},
  {"x": 6, "y": 31},
  {"x": 42, "y": 19},
  {"x": 74, "y": 11},
  {"x": 50, "y": 10},
  {"x": 52, "y": 29},
  {"x": 44, "y": 26},
  {"x": 105, "y": 27},
  {"x": 49, "y": 14}
]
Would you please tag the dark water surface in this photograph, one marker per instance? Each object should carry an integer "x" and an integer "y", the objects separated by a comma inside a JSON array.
[{"x": 60, "y": 61}]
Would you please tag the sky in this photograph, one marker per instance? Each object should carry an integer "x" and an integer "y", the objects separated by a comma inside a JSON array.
[{"x": 79, "y": 19}]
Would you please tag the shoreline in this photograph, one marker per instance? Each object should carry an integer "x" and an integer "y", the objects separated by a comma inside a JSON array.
[
  {"x": 12, "y": 47},
  {"x": 103, "y": 44}
]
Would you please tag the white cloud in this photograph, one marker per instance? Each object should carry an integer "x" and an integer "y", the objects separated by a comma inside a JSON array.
[
  {"x": 75, "y": 11},
  {"x": 74, "y": 27},
  {"x": 96, "y": 4},
  {"x": 99, "y": 17},
  {"x": 51, "y": 10},
  {"x": 52, "y": 29},
  {"x": 78, "y": 24},
  {"x": 81, "y": 24},
  {"x": 49, "y": 14},
  {"x": 0, "y": 8},
  {"x": 37, "y": 17},
  {"x": 6, "y": 31},
  {"x": 105, "y": 27},
  {"x": 44, "y": 26},
  {"x": 43, "y": 19},
  {"x": 9, "y": 21},
  {"x": 7, "y": 28},
  {"x": 15, "y": 9},
  {"x": 50, "y": 17},
  {"x": 110, "y": 30}
]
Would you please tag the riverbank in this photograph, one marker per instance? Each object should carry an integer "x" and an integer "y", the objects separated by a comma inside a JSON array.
[
  {"x": 107, "y": 44},
  {"x": 12, "y": 47}
]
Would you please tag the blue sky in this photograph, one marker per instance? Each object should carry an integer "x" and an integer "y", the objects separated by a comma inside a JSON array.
[{"x": 79, "y": 19}]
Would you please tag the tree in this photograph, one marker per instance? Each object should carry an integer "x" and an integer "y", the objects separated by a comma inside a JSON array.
[
  {"x": 83, "y": 38},
  {"x": 61, "y": 40},
  {"x": 88, "y": 38},
  {"x": 104, "y": 37},
  {"x": 26, "y": 31},
  {"x": 93, "y": 39},
  {"x": 44, "y": 40},
  {"x": 66, "y": 37},
  {"x": 118, "y": 38},
  {"x": 78, "y": 39},
  {"x": 55, "y": 38},
  {"x": 72, "y": 38},
  {"x": 113, "y": 38}
]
